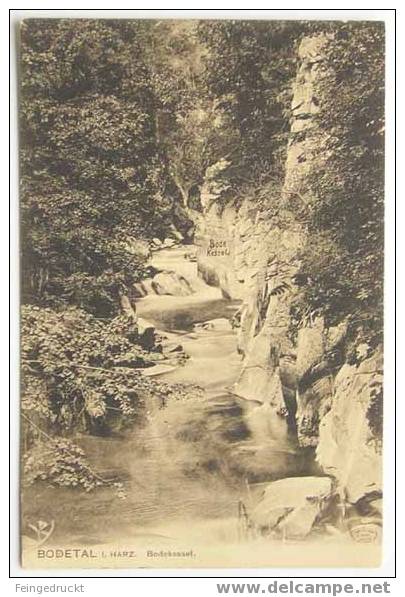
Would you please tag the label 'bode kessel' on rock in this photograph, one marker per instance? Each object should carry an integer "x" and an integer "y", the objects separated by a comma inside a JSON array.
[
  {"x": 217, "y": 247},
  {"x": 202, "y": 284}
]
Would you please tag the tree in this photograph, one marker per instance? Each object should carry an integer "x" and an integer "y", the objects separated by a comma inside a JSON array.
[
  {"x": 91, "y": 177},
  {"x": 342, "y": 263},
  {"x": 249, "y": 68},
  {"x": 93, "y": 192},
  {"x": 190, "y": 131}
]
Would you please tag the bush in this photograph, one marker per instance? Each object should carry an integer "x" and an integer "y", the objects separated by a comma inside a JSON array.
[
  {"x": 59, "y": 462},
  {"x": 342, "y": 264},
  {"x": 77, "y": 370}
]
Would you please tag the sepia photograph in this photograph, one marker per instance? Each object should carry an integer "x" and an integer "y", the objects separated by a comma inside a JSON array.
[{"x": 202, "y": 285}]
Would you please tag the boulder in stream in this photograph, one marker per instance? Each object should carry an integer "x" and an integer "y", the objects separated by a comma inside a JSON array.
[
  {"x": 172, "y": 284},
  {"x": 221, "y": 324},
  {"x": 169, "y": 242},
  {"x": 290, "y": 506}
]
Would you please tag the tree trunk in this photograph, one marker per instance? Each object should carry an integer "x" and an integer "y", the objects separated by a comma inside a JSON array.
[{"x": 184, "y": 191}]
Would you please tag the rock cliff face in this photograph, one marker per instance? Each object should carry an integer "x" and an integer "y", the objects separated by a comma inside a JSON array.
[
  {"x": 347, "y": 447},
  {"x": 303, "y": 385}
]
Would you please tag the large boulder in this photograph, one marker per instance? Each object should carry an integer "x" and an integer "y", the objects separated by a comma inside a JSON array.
[
  {"x": 142, "y": 289},
  {"x": 289, "y": 507},
  {"x": 171, "y": 283}
]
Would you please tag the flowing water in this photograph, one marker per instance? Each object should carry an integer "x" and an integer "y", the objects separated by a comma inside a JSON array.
[
  {"x": 193, "y": 459},
  {"x": 189, "y": 464}
]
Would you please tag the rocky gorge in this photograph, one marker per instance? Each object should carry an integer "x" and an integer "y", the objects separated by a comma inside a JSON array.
[
  {"x": 300, "y": 388},
  {"x": 203, "y": 349},
  {"x": 303, "y": 384}
]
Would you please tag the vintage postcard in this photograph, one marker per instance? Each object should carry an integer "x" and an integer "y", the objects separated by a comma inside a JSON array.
[{"x": 202, "y": 247}]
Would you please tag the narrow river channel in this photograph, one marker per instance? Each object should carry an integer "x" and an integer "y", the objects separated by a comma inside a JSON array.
[{"x": 192, "y": 461}]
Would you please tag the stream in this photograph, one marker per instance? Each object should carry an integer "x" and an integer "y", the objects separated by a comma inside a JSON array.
[{"x": 188, "y": 466}]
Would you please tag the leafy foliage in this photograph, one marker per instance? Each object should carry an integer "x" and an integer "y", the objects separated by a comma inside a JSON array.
[
  {"x": 59, "y": 462},
  {"x": 80, "y": 372},
  {"x": 91, "y": 176},
  {"x": 342, "y": 263},
  {"x": 375, "y": 413},
  {"x": 189, "y": 124},
  {"x": 249, "y": 68},
  {"x": 95, "y": 188},
  {"x": 122, "y": 123}
]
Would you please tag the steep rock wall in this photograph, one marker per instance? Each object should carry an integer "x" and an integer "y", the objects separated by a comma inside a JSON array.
[
  {"x": 348, "y": 447},
  {"x": 303, "y": 386},
  {"x": 262, "y": 259}
]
